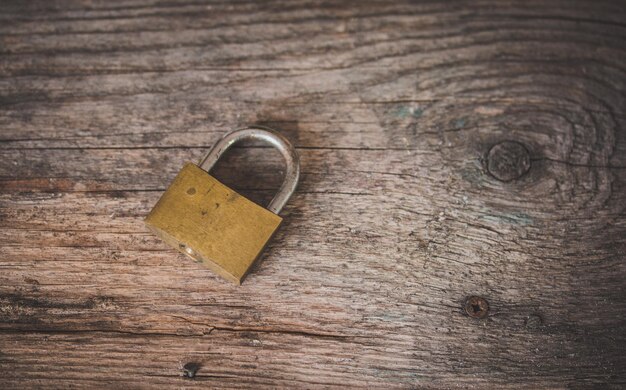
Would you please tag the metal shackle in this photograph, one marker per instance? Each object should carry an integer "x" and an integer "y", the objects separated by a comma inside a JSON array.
[{"x": 267, "y": 135}]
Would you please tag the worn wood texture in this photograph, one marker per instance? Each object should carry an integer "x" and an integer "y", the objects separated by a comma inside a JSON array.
[{"x": 449, "y": 149}]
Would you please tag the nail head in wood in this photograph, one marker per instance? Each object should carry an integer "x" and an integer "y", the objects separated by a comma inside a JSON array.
[
  {"x": 190, "y": 369},
  {"x": 476, "y": 307}
]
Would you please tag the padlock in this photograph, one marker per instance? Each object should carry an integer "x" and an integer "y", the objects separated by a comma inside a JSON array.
[{"x": 213, "y": 224}]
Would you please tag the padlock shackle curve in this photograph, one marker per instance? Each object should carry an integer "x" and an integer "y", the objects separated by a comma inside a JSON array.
[{"x": 272, "y": 137}]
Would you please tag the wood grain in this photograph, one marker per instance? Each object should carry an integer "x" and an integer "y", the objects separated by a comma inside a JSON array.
[{"x": 449, "y": 149}]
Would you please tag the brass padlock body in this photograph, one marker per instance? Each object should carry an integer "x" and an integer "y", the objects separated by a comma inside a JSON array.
[{"x": 211, "y": 223}]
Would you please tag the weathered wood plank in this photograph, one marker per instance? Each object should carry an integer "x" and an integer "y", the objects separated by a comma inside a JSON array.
[{"x": 448, "y": 149}]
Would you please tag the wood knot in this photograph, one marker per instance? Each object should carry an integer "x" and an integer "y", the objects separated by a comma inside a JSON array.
[
  {"x": 508, "y": 160},
  {"x": 476, "y": 307}
]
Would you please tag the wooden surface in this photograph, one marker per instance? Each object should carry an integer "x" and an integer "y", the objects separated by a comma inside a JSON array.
[{"x": 448, "y": 150}]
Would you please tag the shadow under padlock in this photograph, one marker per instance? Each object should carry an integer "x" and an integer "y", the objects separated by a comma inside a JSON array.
[
  {"x": 215, "y": 224},
  {"x": 253, "y": 169}
]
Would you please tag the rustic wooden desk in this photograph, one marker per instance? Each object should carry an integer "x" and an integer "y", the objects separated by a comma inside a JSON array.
[{"x": 448, "y": 150}]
